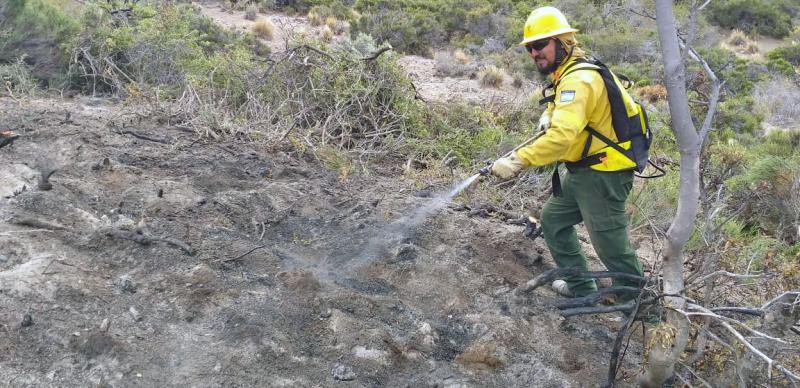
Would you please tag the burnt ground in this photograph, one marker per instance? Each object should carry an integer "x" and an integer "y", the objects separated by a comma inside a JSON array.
[{"x": 133, "y": 270}]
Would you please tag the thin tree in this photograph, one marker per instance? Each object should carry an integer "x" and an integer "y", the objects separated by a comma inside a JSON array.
[{"x": 672, "y": 336}]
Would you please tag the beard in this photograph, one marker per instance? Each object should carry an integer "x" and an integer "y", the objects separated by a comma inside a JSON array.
[{"x": 547, "y": 70}]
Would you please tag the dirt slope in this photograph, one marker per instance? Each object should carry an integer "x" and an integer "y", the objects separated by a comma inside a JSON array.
[{"x": 133, "y": 270}]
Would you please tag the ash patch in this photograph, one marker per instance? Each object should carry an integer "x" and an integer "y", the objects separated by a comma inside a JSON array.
[{"x": 368, "y": 286}]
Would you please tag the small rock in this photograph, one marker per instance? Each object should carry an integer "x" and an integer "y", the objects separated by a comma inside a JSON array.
[
  {"x": 126, "y": 284},
  {"x": 202, "y": 273},
  {"x": 124, "y": 223},
  {"x": 424, "y": 194},
  {"x": 27, "y": 320},
  {"x": 406, "y": 252},
  {"x": 105, "y": 325},
  {"x": 3, "y": 259},
  {"x": 135, "y": 313},
  {"x": 343, "y": 373}
]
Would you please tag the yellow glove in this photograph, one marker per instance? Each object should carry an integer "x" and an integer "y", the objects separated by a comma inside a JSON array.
[
  {"x": 508, "y": 167},
  {"x": 544, "y": 121}
]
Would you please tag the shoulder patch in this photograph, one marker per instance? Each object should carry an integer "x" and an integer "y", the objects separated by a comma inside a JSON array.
[{"x": 567, "y": 96}]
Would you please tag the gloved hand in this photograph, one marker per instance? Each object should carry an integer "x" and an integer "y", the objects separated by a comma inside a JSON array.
[
  {"x": 508, "y": 167},
  {"x": 7, "y": 137},
  {"x": 544, "y": 121},
  {"x": 533, "y": 228}
]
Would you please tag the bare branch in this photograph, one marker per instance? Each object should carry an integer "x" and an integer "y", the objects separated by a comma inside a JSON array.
[
  {"x": 741, "y": 310},
  {"x": 598, "y": 309},
  {"x": 707, "y": 313},
  {"x": 697, "y": 376},
  {"x": 594, "y": 297},
  {"x": 376, "y": 54},
  {"x": 779, "y": 297},
  {"x": 714, "y": 275}
]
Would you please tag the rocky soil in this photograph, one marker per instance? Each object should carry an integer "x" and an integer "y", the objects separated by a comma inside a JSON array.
[
  {"x": 152, "y": 258},
  {"x": 134, "y": 254}
]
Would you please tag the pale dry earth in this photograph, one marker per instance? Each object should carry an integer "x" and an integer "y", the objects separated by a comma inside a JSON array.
[{"x": 133, "y": 269}]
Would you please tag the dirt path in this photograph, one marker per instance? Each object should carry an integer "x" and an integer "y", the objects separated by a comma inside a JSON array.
[{"x": 160, "y": 260}]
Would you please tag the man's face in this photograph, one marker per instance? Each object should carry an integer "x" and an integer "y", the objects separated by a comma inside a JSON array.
[{"x": 543, "y": 52}]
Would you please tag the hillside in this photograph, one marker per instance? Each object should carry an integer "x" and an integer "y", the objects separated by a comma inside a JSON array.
[{"x": 261, "y": 194}]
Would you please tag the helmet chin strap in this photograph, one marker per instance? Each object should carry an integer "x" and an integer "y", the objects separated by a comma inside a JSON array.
[{"x": 561, "y": 56}]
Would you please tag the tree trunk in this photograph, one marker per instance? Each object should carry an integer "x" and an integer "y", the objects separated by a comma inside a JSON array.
[{"x": 672, "y": 337}]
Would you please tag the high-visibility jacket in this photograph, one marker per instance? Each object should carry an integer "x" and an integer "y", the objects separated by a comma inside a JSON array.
[{"x": 581, "y": 101}]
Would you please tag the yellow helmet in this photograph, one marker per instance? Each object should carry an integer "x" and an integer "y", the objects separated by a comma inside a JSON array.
[{"x": 545, "y": 22}]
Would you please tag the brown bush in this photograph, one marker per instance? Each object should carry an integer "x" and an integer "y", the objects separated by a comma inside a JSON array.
[
  {"x": 448, "y": 65},
  {"x": 652, "y": 93},
  {"x": 491, "y": 76},
  {"x": 264, "y": 29},
  {"x": 327, "y": 34},
  {"x": 738, "y": 38},
  {"x": 461, "y": 57}
]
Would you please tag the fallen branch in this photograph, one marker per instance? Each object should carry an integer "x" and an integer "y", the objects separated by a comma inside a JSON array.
[
  {"x": 147, "y": 240},
  {"x": 613, "y": 366},
  {"x": 243, "y": 254},
  {"x": 625, "y": 307},
  {"x": 376, "y": 54},
  {"x": 742, "y": 310},
  {"x": 722, "y": 321},
  {"x": 144, "y": 137},
  {"x": 593, "y": 298},
  {"x": 728, "y": 274},
  {"x": 35, "y": 223}
]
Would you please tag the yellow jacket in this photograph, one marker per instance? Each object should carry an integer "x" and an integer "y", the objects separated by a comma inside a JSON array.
[{"x": 580, "y": 100}]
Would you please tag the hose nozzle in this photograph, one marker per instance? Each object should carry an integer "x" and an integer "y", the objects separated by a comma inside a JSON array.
[{"x": 487, "y": 169}]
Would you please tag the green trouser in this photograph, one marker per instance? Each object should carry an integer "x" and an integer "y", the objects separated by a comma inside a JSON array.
[{"x": 598, "y": 199}]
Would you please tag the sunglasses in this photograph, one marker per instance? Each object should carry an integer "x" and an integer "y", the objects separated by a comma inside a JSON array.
[{"x": 537, "y": 45}]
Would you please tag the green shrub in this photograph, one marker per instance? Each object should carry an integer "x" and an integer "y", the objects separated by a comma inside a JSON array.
[
  {"x": 765, "y": 17},
  {"x": 618, "y": 45},
  {"x": 16, "y": 79},
  {"x": 790, "y": 54},
  {"x": 468, "y": 132},
  {"x": 41, "y": 30},
  {"x": 780, "y": 66},
  {"x": 767, "y": 194},
  {"x": 156, "y": 47},
  {"x": 737, "y": 113}
]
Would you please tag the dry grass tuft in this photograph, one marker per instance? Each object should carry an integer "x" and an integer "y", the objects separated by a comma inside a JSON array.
[
  {"x": 447, "y": 65},
  {"x": 330, "y": 21},
  {"x": 652, "y": 93},
  {"x": 327, "y": 34},
  {"x": 264, "y": 29},
  {"x": 314, "y": 18},
  {"x": 777, "y": 100},
  {"x": 738, "y": 38},
  {"x": 751, "y": 48},
  {"x": 251, "y": 12},
  {"x": 461, "y": 57},
  {"x": 517, "y": 83},
  {"x": 491, "y": 76}
]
